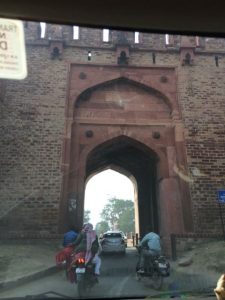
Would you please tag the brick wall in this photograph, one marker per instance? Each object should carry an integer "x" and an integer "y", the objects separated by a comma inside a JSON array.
[
  {"x": 32, "y": 123},
  {"x": 201, "y": 95}
]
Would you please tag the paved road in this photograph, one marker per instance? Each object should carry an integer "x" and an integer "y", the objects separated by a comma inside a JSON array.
[
  {"x": 117, "y": 280},
  {"x": 108, "y": 287}
]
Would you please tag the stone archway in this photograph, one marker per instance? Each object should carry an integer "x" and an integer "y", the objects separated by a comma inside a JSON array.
[
  {"x": 118, "y": 109},
  {"x": 138, "y": 160}
]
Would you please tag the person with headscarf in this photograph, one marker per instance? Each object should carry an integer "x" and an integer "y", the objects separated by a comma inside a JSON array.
[{"x": 87, "y": 244}]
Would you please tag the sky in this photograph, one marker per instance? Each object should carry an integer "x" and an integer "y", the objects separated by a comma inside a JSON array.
[{"x": 103, "y": 186}]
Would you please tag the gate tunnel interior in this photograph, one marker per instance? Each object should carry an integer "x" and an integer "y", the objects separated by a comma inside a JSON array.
[{"x": 139, "y": 161}]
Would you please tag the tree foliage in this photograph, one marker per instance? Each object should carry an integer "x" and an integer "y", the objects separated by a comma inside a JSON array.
[
  {"x": 102, "y": 227},
  {"x": 87, "y": 216},
  {"x": 119, "y": 214}
]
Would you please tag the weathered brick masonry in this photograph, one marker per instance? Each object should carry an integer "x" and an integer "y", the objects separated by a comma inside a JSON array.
[{"x": 34, "y": 120}]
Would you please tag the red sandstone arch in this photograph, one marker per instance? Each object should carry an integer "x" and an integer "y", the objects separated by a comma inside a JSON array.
[
  {"x": 163, "y": 164},
  {"x": 136, "y": 171},
  {"x": 169, "y": 149},
  {"x": 110, "y": 167}
]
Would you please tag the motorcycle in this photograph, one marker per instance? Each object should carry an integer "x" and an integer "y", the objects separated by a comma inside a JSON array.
[
  {"x": 84, "y": 275},
  {"x": 155, "y": 269}
]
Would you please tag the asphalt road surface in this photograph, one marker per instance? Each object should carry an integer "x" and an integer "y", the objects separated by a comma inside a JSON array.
[{"x": 117, "y": 279}]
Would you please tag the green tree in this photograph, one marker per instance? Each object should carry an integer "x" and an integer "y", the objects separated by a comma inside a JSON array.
[
  {"x": 101, "y": 227},
  {"x": 119, "y": 214},
  {"x": 126, "y": 221},
  {"x": 87, "y": 216}
]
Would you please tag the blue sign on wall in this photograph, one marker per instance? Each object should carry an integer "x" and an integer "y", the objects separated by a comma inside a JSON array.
[{"x": 221, "y": 196}]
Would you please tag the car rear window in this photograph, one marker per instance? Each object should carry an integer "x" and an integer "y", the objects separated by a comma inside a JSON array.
[{"x": 112, "y": 235}]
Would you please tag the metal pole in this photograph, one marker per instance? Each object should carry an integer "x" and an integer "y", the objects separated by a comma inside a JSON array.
[
  {"x": 173, "y": 246},
  {"x": 221, "y": 217},
  {"x": 136, "y": 238}
]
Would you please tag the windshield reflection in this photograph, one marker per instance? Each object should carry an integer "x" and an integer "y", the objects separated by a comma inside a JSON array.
[{"x": 112, "y": 165}]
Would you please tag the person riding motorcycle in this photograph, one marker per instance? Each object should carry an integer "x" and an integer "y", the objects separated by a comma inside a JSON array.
[
  {"x": 64, "y": 256},
  {"x": 69, "y": 237},
  {"x": 149, "y": 247},
  {"x": 87, "y": 242}
]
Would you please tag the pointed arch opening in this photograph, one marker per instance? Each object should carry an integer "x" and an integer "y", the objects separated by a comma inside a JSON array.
[
  {"x": 140, "y": 163},
  {"x": 116, "y": 189}
]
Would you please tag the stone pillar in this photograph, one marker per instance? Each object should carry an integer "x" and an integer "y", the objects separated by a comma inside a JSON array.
[
  {"x": 171, "y": 220},
  {"x": 184, "y": 178},
  {"x": 187, "y": 48}
]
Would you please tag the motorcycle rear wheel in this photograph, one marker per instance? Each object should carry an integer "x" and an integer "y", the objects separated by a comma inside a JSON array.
[
  {"x": 138, "y": 277},
  {"x": 157, "y": 281},
  {"x": 81, "y": 288}
]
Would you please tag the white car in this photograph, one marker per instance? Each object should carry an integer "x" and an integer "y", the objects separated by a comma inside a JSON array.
[
  {"x": 113, "y": 242},
  {"x": 124, "y": 237}
]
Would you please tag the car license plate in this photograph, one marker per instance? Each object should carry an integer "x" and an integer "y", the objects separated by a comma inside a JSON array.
[
  {"x": 80, "y": 270},
  {"x": 163, "y": 266}
]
